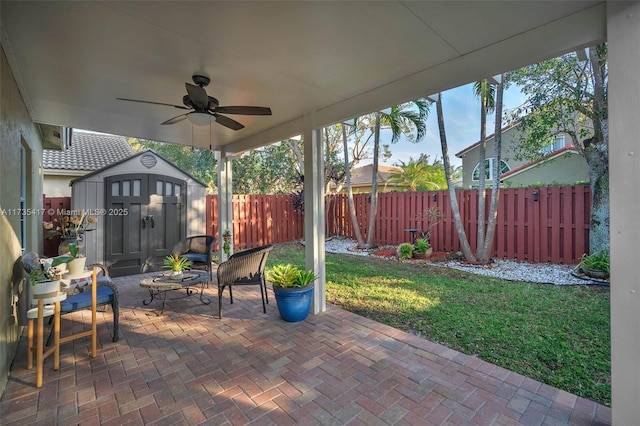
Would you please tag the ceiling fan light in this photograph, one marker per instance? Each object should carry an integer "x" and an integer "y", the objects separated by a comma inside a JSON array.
[{"x": 200, "y": 118}]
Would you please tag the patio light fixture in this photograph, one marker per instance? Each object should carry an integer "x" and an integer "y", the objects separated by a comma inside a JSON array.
[{"x": 201, "y": 118}]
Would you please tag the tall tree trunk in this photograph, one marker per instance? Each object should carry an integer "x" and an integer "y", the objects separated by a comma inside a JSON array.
[
  {"x": 487, "y": 248},
  {"x": 455, "y": 209},
  {"x": 352, "y": 205},
  {"x": 597, "y": 155},
  {"x": 482, "y": 167},
  {"x": 374, "y": 183},
  {"x": 295, "y": 147}
]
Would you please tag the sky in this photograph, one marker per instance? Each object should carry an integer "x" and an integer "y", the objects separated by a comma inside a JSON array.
[{"x": 461, "y": 110}]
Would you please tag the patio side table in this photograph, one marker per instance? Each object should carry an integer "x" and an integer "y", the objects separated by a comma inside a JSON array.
[{"x": 159, "y": 285}]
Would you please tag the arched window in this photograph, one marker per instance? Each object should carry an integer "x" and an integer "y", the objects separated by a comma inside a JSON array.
[{"x": 504, "y": 167}]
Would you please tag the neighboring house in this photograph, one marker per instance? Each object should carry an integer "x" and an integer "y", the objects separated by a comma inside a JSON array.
[
  {"x": 361, "y": 179},
  {"x": 87, "y": 152},
  {"x": 558, "y": 164}
]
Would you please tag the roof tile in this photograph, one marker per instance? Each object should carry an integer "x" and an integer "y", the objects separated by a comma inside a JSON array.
[{"x": 88, "y": 151}]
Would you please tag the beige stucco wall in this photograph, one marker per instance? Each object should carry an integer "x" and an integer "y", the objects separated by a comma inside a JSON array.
[
  {"x": 16, "y": 130},
  {"x": 560, "y": 171},
  {"x": 564, "y": 170},
  {"x": 57, "y": 185},
  {"x": 471, "y": 158}
]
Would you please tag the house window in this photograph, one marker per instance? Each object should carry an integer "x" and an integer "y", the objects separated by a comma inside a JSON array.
[
  {"x": 558, "y": 144},
  {"x": 504, "y": 167}
]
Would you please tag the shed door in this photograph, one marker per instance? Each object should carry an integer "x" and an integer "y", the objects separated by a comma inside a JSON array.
[{"x": 145, "y": 219}]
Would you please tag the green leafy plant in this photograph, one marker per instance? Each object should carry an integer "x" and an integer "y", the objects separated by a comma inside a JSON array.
[
  {"x": 41, "y": 270},
  {"x": 421, "y": 245},
  {"x": 289, "y": 276},
  {"x": 176, "y": 263},
  {"x": 405, "y": 251},
  {"x": 226, "y": 241},
  {"x": 597, "y": 261},
  {"x": 74, "y": 253}
]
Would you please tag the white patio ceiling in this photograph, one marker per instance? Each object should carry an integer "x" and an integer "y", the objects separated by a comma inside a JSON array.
[{"x": 337, "y": 59}]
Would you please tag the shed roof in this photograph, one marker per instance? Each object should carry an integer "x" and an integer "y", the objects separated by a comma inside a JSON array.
[
  {"x": 362, "y": 175},
  {"x": 88, "y": 151}
]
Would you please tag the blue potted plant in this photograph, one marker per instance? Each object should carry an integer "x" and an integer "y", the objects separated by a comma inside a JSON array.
[{"x": 293, "y": 289}]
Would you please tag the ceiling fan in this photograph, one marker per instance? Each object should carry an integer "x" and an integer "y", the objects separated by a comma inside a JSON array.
[{"x": 203, "y": 109}]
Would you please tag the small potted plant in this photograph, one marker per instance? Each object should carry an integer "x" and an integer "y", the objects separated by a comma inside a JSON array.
[
  {"x": 177, "y": 264},
  {"x": 422, "y": 249},
  {"x": 595, "y": 265},
  {"x": 44, "y": 274},
  {"x": 75, "y": 261},
  {"x": 226, "y": 242},
  {"x": 405, "y": 251},
  {"x": 293, "y": 289}
]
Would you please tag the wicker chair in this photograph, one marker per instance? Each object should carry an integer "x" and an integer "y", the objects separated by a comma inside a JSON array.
[
  {"x": 244, "y": 268},
  {"x": 198, "y": 249}
]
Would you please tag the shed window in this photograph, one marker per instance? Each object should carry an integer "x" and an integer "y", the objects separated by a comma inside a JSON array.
[{"x": 126, "y": 188}]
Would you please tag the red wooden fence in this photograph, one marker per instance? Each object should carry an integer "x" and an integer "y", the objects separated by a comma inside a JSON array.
[
  {"x": 547, "y": 224},
  {"x": 53, "y": 205},
  {"x": 258, "y": 220}
]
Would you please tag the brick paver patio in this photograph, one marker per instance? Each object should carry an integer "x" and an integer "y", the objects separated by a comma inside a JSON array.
[{"x": 187, "y": 367}]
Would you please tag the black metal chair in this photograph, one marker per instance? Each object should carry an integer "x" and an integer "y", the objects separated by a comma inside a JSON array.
[
  {"x": 244, "y": 268},
  {"x": 199, "y": 250}
]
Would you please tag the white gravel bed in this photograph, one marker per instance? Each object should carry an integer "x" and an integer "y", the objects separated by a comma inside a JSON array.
[{"x": 506, "y": 269}]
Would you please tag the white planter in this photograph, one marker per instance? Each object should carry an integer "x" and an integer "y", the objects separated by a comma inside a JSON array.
[
  {"x": 46, "y": 289},
  {"x": 76, "y": 266},
  {"x": 176, "y": 275}
]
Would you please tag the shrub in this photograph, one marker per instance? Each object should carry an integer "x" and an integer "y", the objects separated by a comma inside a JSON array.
[
  {"x": 422, "y": 245},
  {"x": 405, "y": 251}
]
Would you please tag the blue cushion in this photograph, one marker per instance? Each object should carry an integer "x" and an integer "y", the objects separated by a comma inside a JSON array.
[
  {"x": 195, "y": 257},
  {"x": 83, "y": 300}
]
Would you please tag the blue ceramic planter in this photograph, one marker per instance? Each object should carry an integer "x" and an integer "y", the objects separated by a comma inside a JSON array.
[{"x": 294, "y": 303}]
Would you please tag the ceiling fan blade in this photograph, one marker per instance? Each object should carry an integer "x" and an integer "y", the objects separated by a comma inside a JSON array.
[
  {"x": 152, "y": 103},
  {"x": 198, "y": 96},
  {"x": 228, "y": 122},
  {"x": 176, "y": 119},
  {"x": 244, "y": 110}
]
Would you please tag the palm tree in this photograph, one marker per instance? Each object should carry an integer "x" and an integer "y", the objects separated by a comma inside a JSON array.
[
  {"x": 419, "y": 175},
  {"x": 484, "y": 252},
  {"x": 347, "y": 175},
  {"x": 455, "y": 209},
  {"x": 402, "y": 119},
  {"x": 486, "y": 92}
]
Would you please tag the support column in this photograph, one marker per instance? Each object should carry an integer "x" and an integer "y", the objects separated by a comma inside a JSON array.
[
  {"x": 623, "y": 35},
  {"x": 225, "y": 199},
  {"x": 314, "y": 209}
]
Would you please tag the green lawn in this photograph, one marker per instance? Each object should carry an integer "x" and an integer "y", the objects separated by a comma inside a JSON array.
[{"x": 557, "y": 335}]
